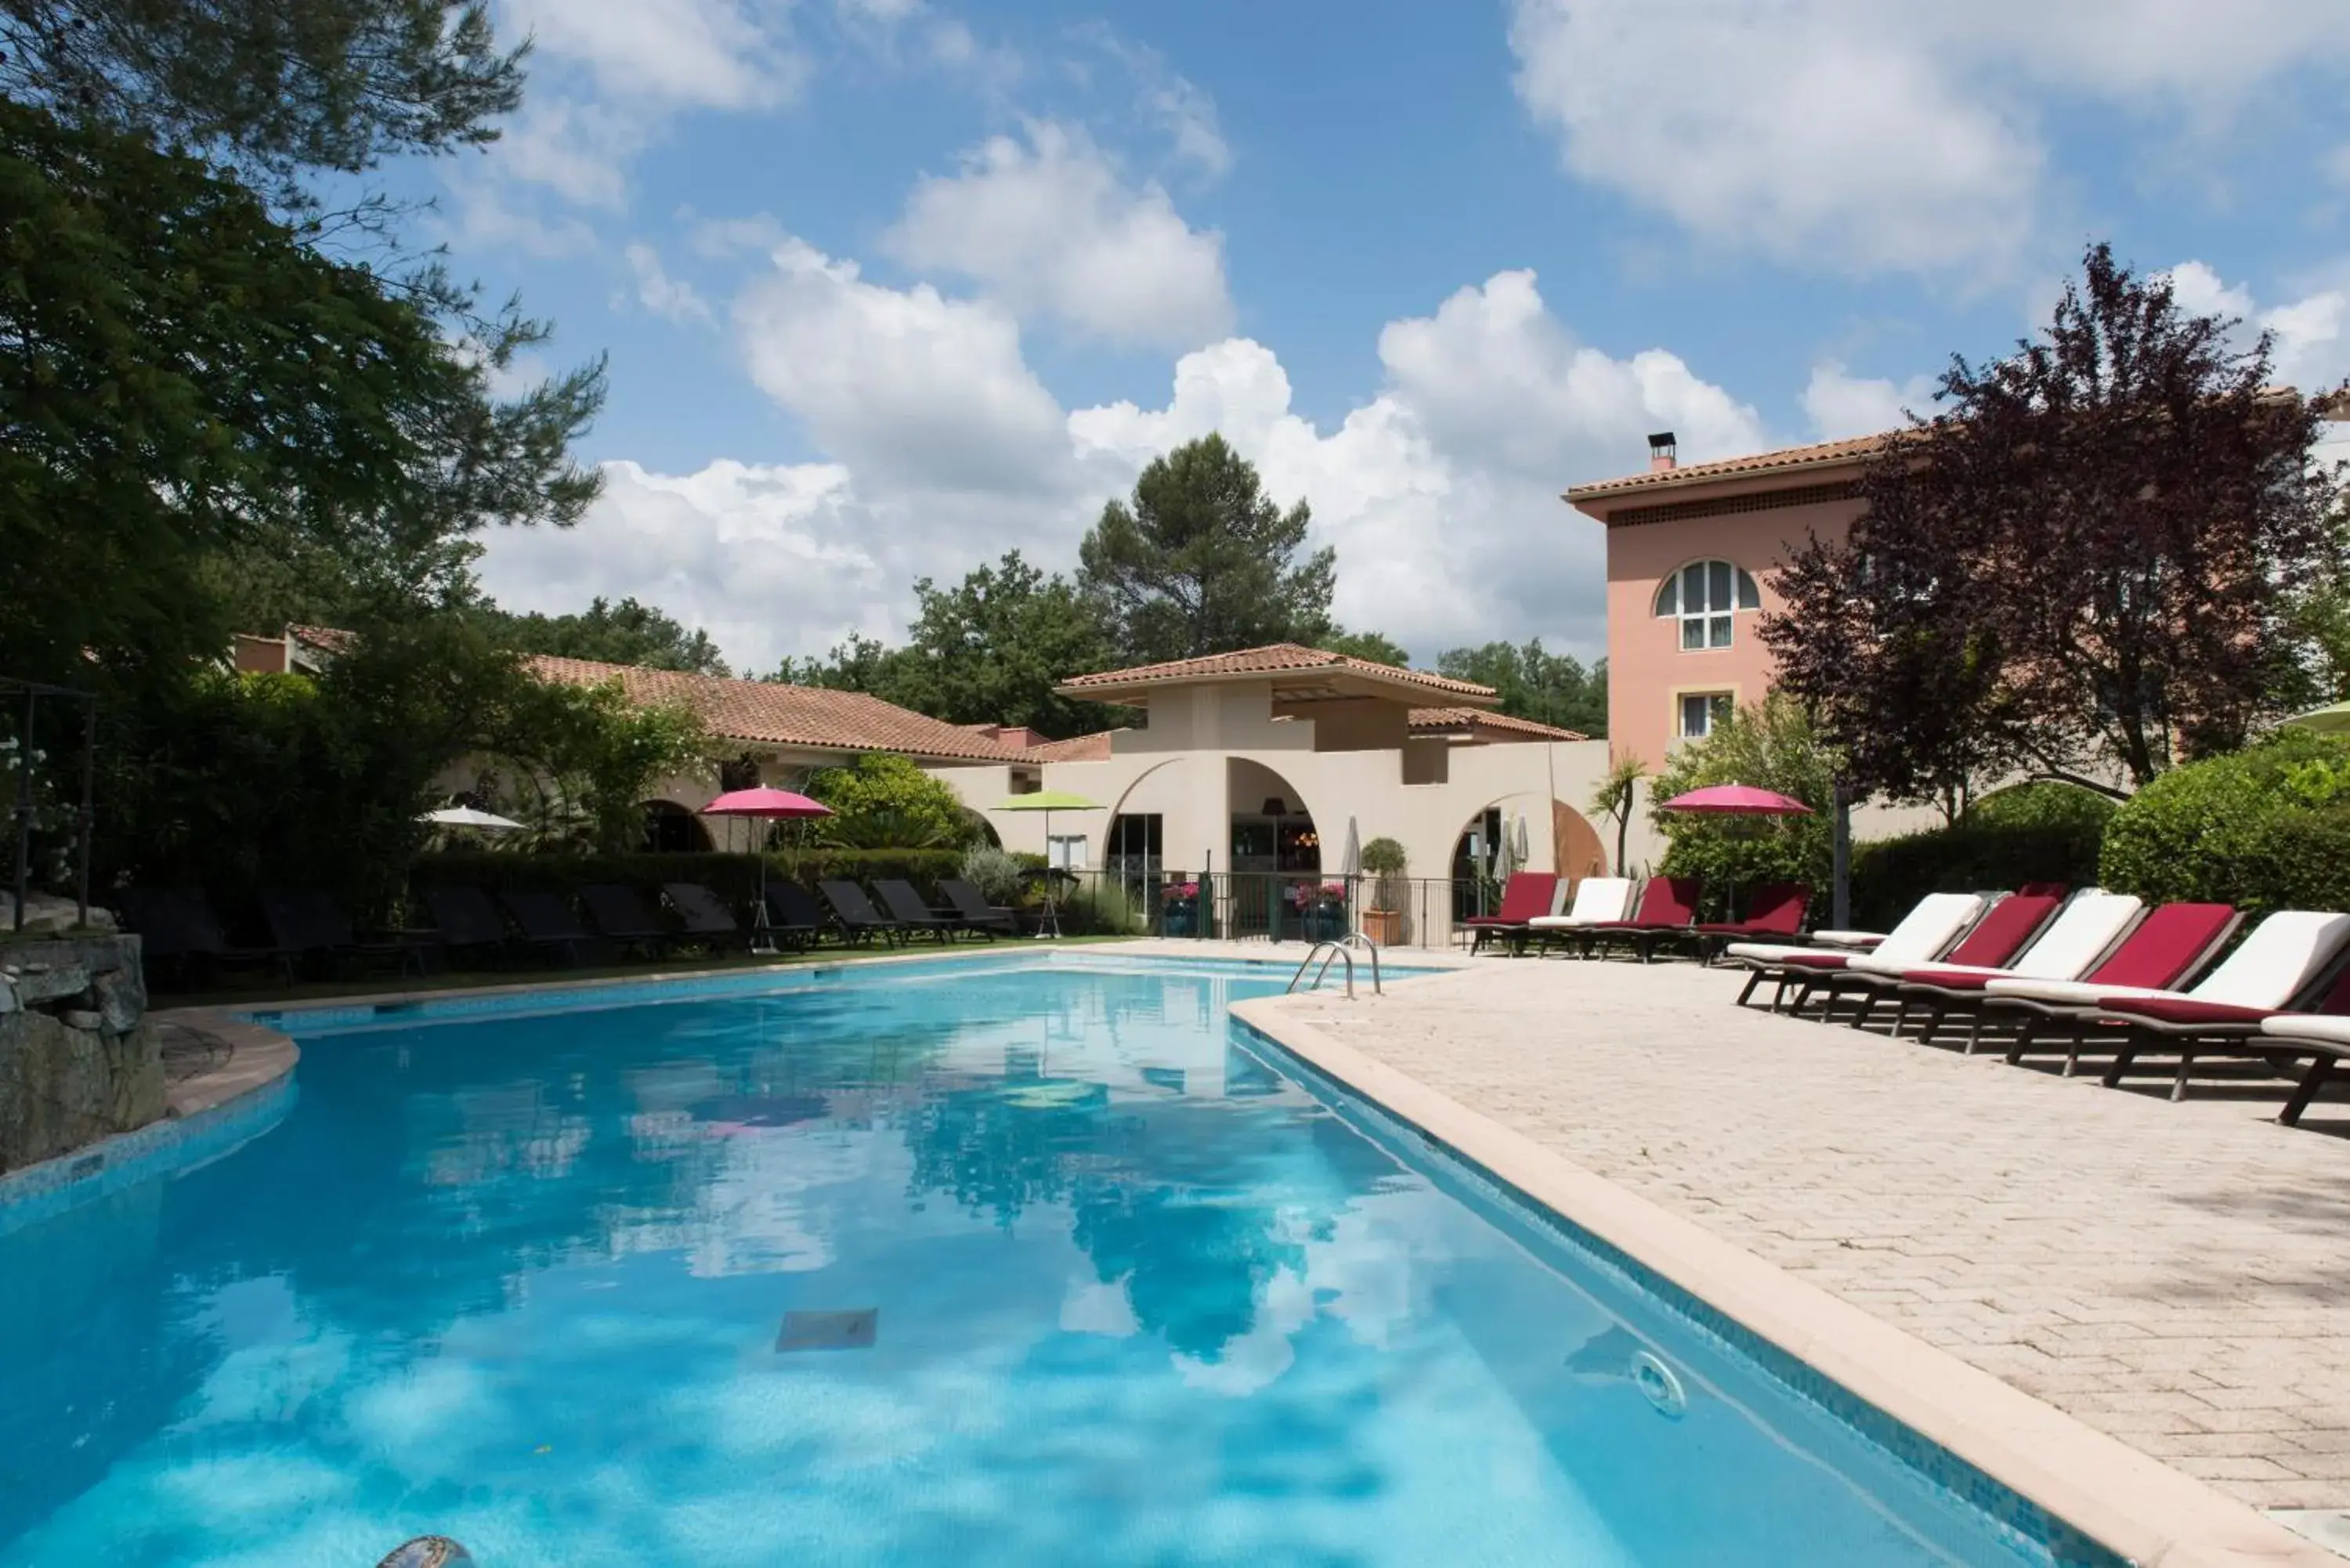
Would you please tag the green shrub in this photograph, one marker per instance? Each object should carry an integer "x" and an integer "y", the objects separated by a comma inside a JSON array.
[
  {"x": 1768, "y": 745},
  {"x": 1099, "y": 908},
  {"x": 1888, "y": 875},
  {"x": 996, "y": 874},
  {"x": 883, "y": 801},
  {"x": 2264, "y": 828},
  {"x": 2047, "y": 803}
]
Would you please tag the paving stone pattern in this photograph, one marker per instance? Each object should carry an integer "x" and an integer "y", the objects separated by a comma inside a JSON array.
[{"x": 2177, "y": 1275}]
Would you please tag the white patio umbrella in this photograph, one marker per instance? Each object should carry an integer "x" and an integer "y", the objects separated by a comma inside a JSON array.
[{"x": 466, "y": 816}]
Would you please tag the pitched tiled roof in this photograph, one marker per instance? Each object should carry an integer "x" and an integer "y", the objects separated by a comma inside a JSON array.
[
  {"x": 786, "y": 716},
  {"x": 1093, "y": 747},
  {"x": 1272, "y": 659},
  {"x": 326, "y": 638},
  {"x": 1820, "y": 454},
  {"x": 1478, "y": 719}
]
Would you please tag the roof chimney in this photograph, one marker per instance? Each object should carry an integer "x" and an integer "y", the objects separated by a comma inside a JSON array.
[{"x": 1663, "y": 452}]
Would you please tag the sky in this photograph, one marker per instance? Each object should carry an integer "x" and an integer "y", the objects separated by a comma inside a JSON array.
[{"x": 891, "y": 286}]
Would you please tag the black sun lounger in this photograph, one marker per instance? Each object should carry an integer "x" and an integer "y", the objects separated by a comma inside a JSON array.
[
  {"x": 906, "y": 907},
  {"x": 976, "y": 911},
  {"x": 704, "y": 914},
  {"x": 546, "y": 920},
  {"x": 620, "y": 915},
  {"x": 858, "y": 917}
]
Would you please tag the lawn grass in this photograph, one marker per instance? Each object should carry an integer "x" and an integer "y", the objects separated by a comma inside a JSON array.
[{"x": 465, "y": 979}]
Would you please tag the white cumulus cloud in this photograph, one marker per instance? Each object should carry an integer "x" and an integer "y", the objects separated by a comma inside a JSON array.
[
  {"x": 671, "y": 298},
  {"x": 1050, "y": 228},
  {"x": 715, "y": 54},
  {"x": 1840, "y": 404}
]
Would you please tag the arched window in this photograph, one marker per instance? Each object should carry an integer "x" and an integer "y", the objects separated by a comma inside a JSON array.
[{"x": 1702, "y": 595}]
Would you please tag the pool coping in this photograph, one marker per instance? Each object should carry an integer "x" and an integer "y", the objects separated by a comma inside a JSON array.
[
  {"x": 203, "y": 1117},
  {"x": 2129, "y": 1503}
]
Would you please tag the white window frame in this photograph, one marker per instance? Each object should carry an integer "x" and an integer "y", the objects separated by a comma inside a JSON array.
[
  {"x": 1687, "y": 596},
  {"x": 1067, "y": 852},
  {"x": 1718, "y": 706}
]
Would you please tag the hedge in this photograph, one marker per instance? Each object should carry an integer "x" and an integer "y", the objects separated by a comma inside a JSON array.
[
  {"x": 2265, "y": 828},
  {"x": 1890, "y": 874},
  {"x": 734, "y": 876}
]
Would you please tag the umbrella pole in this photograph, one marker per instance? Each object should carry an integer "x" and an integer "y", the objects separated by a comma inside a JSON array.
[
  {"x": 1051, "y": 924},
  {"x": 762, "y": 937}
]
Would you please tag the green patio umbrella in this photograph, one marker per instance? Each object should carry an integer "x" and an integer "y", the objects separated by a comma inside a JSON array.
[
  {"x": 2333, "y": 721},
  {"x": 1048, "y": 800}
]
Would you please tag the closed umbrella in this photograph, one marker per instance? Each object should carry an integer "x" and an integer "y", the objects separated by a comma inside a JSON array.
[
  {"x": 773, "y": 804},
  {"x": 1350, "y": 862},
  {"x": 1048, "y": 800}
]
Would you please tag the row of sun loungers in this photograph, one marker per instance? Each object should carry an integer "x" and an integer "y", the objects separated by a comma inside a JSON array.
[
  {"x": 2095, "y": 973},
  {"x": 308, "y": 930},
  {"x": 1605, "y": 915}
]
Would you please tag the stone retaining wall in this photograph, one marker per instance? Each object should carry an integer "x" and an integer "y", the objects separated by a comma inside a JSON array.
[{"x": 79, "y": 1059}]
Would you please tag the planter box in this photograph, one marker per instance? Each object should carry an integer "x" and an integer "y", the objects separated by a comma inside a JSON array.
[{"x": 1384, "y": 927}]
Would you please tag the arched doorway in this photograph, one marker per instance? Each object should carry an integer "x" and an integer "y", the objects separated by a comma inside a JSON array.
[
  {"x": 670, "y": 829},
  {"x": 1277, "y": 886}
]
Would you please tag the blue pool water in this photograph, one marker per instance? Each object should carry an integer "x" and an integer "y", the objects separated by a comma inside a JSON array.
[{"x": 980, "y": 1263}]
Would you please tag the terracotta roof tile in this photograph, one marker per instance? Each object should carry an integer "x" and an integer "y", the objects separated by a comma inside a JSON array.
[
  {"x": 1093, "y": 747},
  {"x": 1816, "y": 455},
  {"x": 1272, "y": 659},
  {"x": 1478, "y": 719},
  {"x": 326, "y": 638},
  {"x": 786, "y": 716}
]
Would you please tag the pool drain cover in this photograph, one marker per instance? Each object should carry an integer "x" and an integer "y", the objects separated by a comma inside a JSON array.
[
  {"x": 1659, "y": 1385},
  {"x": 829, "y": 1330}
]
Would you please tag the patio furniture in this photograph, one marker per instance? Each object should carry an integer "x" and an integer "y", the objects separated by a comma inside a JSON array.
[
  {"x": 2325, "y": 1040},
  {"x": 2173, "y": 942},
  {"x": 1668, "y": 911},
  {"x": 304, "y": 922},
  {"x": 622, "y": 916},
  {"x": 909, "y": 910},
  {"x": 177, "y": 926},
  {"x": 854, "y": 914},
  {"x": 702, "y": 913},
  {"x": 1776, "y": 910},
  {"x": 1927, "y": 931},
  {"x": 2273, "y": 967},
  {"x": 466, "y": 918},
  {"x": 976, "y": 911},
  {"x": 2084, "y": 932},
  {"x": 2003, "y": 931},
  {"x": 1598, "y": 900},
  {"x": 1528, "y": 894},
  {"x": 794, "y": 918},
  {"x": 1865, "y": 941},
  {"x": 546, "y": 921}
]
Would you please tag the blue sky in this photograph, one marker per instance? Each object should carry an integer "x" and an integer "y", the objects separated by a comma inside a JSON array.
[{"x": 890, "y": 286}]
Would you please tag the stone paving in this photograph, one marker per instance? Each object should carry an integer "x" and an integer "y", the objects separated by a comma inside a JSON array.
[{"x": 2177, "y": 1275}]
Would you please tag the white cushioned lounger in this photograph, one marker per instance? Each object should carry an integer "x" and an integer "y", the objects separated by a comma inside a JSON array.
[
  {"x": 2325, "y": 1038},
  {"x": 2084, "y": 930},
  {"x": 2272, "y": 966},
  {"x": 1925, "y": 931},
  {"x": 1596, "y": 898}
]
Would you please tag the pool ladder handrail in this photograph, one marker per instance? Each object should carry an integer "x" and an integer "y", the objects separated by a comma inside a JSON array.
[{"x": 1341, "y": 947}]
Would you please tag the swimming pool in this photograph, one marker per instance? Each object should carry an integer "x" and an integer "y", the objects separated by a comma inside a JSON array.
[{"x": 1016, "y": 1262}]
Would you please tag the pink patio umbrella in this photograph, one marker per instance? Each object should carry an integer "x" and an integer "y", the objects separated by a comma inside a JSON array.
[
  {"x": 1737, "y": 800},
  {"x": 775, "y": 804}
]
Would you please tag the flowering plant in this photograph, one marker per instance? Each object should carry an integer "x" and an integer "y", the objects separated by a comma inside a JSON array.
[{"x": 1183, "y": 890}]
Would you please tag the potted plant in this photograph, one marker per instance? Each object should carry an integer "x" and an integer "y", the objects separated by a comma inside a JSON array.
[
  {"x": 1179, "y": 909},
  {"x": 1384, "y": 860}
]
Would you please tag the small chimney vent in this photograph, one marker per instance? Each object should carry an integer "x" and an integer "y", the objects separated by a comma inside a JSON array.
[{"x": 1663, "y": 452}]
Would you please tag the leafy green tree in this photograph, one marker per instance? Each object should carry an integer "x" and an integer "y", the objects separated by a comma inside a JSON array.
[
  {"x": 1203, "y": 561},
  {"x": 186, "y": 389},
  {"x": 628, "y": 632},
  {"x": 1535, "y": 683},
  {"x": 1364, "y": 645},
  {"x": 276, "y": 89},
  {"x": 884, "y": 802},
  {"x": 1771, "y": 744}
]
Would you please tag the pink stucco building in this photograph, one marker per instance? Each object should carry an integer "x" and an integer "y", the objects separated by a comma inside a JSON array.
[{"x": 1690, "y": 551}]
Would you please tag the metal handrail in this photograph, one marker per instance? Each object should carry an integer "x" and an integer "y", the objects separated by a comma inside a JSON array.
[{"x": 1342, "y": 948}]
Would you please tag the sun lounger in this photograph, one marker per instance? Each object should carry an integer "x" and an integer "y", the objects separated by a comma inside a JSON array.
[
  {"x": 2172, "y": 944},
  {"x": 794, "y": 917},
  {"x": 1526, "y": 895},
  {"x": 1598, "y": 900},
  {"x": 977, "y": 912},
  {"x": 1927, "y": 931},
  {"x": 906, "y": 907},
  {"x": 307, "y": 923},
  {"x": 546, "y": 921},
  {"x": 2084, "y": 932},
  {"x": 1866, "y": 942},
  {"x": 176, "y": 926},
  {"x": 2273, "y": 968},
  {"x": 622, "y": 916},
  {"x": 465, "y": 918},
  {"x": 1776, "y": 910},
  {"x": 1998, "y": 935},
  {"x": 703, "y": 914},
  {"x": 1666, "y": 912},
  {"x": 855, "y": 913},
  {"x": 2325, "y": 1040}
]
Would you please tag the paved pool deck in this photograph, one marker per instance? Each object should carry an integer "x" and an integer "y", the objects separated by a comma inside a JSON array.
[{"x": 2176, "y": 1275}]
